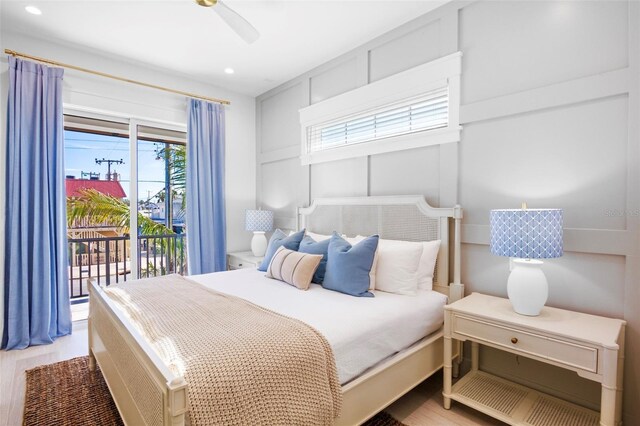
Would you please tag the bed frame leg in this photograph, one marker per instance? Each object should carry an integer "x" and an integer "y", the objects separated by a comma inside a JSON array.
[
  {"x": 92, "y": 358},
  {"x": 178, "y": 420},
  {"x": 447, "y": 371},
  {"x": 92, "y": 361},
  {"x": 177, "y": 402}
]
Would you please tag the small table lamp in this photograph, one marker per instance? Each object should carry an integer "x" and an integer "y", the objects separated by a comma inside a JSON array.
[
  {"x": 526, "y": 235},
  {"x": 259, "y": 221}
]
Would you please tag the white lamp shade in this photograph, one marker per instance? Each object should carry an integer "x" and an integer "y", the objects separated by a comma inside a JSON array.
[
  {"x": 259, "y": 220},
  {"x": 527, "y": 233}
]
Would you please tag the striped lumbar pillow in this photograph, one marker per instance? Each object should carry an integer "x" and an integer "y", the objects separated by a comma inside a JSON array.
[{"x": 293, "y": 267}]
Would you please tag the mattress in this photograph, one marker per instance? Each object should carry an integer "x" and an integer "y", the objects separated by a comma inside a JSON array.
[{"x": 362, "y": 331}]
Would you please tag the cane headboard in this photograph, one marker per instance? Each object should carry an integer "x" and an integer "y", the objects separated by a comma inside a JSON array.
[{"x": 407, "y": 218}]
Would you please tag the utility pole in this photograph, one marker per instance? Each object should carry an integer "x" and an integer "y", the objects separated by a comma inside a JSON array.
[
  {"x": 165, "y": 155},
  {"x": 109, "y": 163},
  {"x": 168, "y": 196}
]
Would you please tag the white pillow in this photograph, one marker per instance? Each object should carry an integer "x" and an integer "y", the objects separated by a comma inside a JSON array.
[
  {"x": 427, "y": 266},
  {"x": 318, "y": 237},
  {"x": 397, "y": 265}
]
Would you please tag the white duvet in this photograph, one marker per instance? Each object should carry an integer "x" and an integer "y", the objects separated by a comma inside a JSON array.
[{"x": 361, "y": 330}]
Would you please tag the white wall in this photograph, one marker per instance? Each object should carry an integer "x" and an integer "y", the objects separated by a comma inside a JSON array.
[
  {"x": 550, "y": 115},
  {"x": 105, "y": 95}
]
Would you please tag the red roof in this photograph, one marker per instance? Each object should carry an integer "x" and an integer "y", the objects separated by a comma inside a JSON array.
[{"x": 107, "y": 187}]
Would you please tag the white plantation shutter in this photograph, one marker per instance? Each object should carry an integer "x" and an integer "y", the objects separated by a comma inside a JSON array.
[
  {"x": 427, "y": 112},
  {"x": 414, "y": 108}
]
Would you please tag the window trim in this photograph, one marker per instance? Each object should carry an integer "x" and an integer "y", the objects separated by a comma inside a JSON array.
[{"x": 437, "y": 74}]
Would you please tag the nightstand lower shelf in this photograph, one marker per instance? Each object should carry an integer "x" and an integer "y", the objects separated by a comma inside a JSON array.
[{"x": 516, "y": 404}]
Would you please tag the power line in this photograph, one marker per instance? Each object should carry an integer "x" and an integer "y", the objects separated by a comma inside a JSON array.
[
  {"x": 109, "y": 163},
  {"x": 104, "y": 149}
]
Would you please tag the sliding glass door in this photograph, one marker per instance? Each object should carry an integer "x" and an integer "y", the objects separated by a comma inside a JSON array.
[
  {"x": 125, "y": 183},
  {"x": 161, "y": 201},
  {"x": 97, "y": 184}
]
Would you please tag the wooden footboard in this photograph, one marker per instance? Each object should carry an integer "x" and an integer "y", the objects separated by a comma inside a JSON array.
[{"x": 145, "y": 391}]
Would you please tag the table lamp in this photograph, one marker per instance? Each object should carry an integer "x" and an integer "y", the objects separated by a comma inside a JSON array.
[
  {"x": 259, "y": 222},
  {"x": 526, "y": 235}
]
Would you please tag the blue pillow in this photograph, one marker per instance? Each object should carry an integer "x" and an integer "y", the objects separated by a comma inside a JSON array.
[
  {"x": 309, "y": 245},
  {"x": 348, "y": 267},
  {"x": 277, "y": 240}
]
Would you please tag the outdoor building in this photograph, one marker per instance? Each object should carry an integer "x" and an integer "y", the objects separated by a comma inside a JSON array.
[{"x": 95, "y": 247}]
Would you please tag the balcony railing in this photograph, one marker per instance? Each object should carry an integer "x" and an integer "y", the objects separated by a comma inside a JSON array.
[
  {"x": 108, "y": 259},
  {"x": 162, "y": 255}
]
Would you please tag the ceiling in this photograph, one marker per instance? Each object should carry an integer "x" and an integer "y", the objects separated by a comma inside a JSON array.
[{"x": 179, "y": 35}]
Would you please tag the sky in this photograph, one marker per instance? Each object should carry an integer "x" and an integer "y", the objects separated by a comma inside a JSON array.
[{"x": 82, "y": 149}]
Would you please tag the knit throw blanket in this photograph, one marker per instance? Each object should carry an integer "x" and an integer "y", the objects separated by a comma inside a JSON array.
[{"x": 244, "y": 365}]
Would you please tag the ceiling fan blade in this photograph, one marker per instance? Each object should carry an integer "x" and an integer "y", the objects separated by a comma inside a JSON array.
[{"x": 237, "y": 23}]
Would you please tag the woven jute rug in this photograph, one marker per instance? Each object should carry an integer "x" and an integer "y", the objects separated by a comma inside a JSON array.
[{"x": 68, "y": 394}]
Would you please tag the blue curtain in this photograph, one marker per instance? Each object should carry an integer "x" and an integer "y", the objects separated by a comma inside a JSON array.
[
  {"x": 206, "y": 223},
  {"x": 36, "y": 289}
]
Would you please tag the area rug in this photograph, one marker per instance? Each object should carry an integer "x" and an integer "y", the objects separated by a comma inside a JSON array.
[{"x": 68, "y": 394}]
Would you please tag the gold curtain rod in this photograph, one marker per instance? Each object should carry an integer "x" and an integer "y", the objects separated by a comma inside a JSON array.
[{"x": 114, "y": 77}]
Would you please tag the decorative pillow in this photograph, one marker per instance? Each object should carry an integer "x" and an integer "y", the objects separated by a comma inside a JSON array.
[
  {"x": 309, "y": 245},
  {"x": 348, "y": 266},
  {"x": 277, "y": 240},
  {"x": 427, "y": 266},
  {"x": 397, "y": 266},
  {"x": 372, "y": 274},
  {"x": 293, "y": 267}
]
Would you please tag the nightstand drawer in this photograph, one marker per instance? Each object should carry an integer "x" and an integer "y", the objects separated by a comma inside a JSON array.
[
  {"x": 235, "y": 263},
  {"x": 564, "y": 352},
  {"x": 243, "y": 260}
]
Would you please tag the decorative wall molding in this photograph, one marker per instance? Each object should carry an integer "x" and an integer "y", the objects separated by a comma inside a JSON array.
[
  {"x": 623, "y": 84},
  {"x": 561, "y": 94},
  {"x": 597, "y": 241}
]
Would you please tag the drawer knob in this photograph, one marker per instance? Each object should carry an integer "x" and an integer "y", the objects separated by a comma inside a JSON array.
[{"x": 514, "y": 340}]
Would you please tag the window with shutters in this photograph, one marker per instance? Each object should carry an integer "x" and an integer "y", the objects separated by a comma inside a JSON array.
[
  {"x": 415, "y": 108},
  {"x": 427, "y": 112}
]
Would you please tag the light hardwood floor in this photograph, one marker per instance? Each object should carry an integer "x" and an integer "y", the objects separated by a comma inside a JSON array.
[{"x": 422, "y": 406}]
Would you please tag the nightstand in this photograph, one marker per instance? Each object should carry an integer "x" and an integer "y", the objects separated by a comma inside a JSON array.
[
  {"x": 243, "y": 259},
  {"x": 590, "y": 345}
]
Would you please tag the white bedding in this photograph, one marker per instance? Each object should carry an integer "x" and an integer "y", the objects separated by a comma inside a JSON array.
[{"x": 361, "y": 330}]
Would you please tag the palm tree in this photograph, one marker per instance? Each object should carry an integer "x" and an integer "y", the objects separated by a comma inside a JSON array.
[
  {"x": 98, "y": 208},
  {"x": 176, "y": 158}
]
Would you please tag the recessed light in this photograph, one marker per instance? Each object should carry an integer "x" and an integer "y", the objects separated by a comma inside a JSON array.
[
  {"x": 33, "y": 10},
  {"x": 229, "y": 70}
]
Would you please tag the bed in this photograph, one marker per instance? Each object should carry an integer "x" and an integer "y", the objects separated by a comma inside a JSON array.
[{"x": 376, "y": 365}]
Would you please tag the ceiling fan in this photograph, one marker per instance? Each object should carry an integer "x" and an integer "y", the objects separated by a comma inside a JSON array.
[{"x": 237, "y": 23}]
